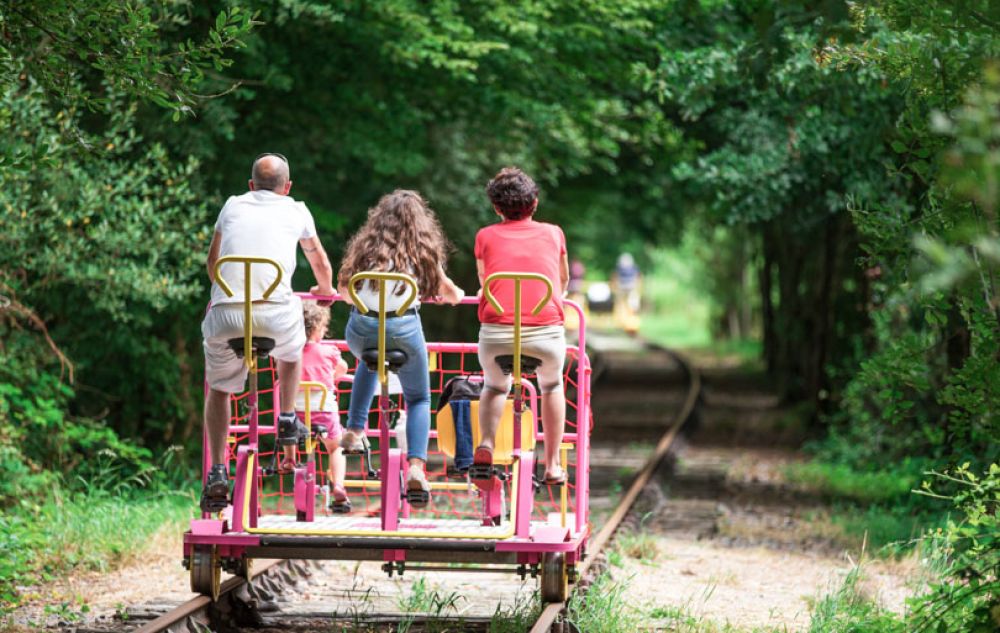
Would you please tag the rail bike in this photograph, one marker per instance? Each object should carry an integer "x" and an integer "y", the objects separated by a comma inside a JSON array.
[{"x": 516, "y": 524}]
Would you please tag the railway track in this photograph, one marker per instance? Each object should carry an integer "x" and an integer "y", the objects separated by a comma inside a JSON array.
[{"x": 645, "y": 390}]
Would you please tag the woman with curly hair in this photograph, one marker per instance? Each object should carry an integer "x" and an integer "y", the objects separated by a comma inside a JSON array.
[{"x": 403, "y": 235}]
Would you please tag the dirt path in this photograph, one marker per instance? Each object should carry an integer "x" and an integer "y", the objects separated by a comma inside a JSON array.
[{"x": 722, "y": 539}]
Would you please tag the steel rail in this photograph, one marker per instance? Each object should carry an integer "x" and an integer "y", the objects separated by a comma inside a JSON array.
[
  {"x": 552, "y": 612},
  {"x": 200, "y": 603}
]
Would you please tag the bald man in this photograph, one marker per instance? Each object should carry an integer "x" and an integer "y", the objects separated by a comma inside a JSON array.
[{"x": 264, "y": 222}]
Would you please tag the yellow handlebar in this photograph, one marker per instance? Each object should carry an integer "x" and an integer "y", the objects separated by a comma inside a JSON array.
[
  {"x": 381, "y": 278},
  {"x": 308, "y": 386},
  {"x": 248, "y": 263},
  {"x": 517, "y": 278}
]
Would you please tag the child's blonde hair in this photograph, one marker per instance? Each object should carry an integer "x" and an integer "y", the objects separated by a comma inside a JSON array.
[{"x": 315, "y": 318}]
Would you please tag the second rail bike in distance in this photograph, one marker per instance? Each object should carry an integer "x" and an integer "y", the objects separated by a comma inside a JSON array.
[{"x": 520, "y": 525}]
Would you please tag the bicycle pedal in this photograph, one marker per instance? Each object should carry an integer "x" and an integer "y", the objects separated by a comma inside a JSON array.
[
  {"x": 481, "y": 472},
  {"x": 340, "y": 508},
  {"x": 418, "y": 498}
]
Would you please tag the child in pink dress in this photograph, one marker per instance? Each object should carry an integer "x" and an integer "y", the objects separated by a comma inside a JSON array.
[{"x": 323, "y": 364}]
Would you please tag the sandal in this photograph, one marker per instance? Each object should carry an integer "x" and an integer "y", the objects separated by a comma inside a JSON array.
[
  {"x": 340, "y": 503},
  {"x": 352, "y": 441},
  {"x": 418, "y": 489},
  {"x": 287, "y": 466},
  {"x": 557, "y": 479}
]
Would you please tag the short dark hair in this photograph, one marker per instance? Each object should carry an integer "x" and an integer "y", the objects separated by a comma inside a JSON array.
[{"x": 513, "y": 193}]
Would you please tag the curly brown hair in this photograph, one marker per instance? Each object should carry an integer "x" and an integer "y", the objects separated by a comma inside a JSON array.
[
  {"x": 401, "y": 234},
  {"x": 513, "y": 193},
  {"x": 315, "y": 317}
]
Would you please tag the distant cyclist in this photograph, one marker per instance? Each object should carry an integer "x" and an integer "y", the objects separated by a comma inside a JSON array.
[
  {"x": 627, "y": 279},
  {"x": 264, "y": 222}
]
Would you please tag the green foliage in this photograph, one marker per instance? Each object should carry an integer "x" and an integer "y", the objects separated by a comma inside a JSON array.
[
  {"x": 841, "y": 481},
  {"x": 779, "y": 141},
  {"x": 42, "y": 446},
  {"x": 425, "y": 600},
  {"x": 931, "y": 383},
  {"x": 100, "y": 526},
  {"x": 849, "y": 610},
  {"x": 968, "y": 596},
  {"x": 518, "y": 616},
  {"x": 604, "y": 608},
  {"x": 122, "y": 43}
]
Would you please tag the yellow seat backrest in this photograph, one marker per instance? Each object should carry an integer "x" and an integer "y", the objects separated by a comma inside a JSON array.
[{"x": 503, "y": 453}]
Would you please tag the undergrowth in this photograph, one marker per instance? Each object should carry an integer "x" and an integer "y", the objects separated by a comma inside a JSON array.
[
  {"x": 875, "y": 506},
  {"x": 96, "y": 524},
  {"x": 605, "y": 608},
  {"x": 850, "y": 609}
]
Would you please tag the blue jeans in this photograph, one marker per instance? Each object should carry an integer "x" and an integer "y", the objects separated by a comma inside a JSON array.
[
  {"x": 407, "y": 334},
  {"x": 461, "y": 412}
]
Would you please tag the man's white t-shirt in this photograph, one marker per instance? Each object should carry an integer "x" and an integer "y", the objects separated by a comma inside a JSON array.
[{"x": 261, "y": 224}]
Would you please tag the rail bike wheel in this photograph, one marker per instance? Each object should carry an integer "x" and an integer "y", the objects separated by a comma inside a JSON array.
[
  {"x": 206, "y": 571},
  {"x": 555, "y": 577}
]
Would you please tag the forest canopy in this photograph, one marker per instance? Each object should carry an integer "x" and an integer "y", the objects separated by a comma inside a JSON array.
[
  {"x": 842, "y": 156},
  {"x": 839, "y": 162}
]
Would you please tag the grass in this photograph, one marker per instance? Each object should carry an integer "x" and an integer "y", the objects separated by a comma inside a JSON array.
[
  {"x": 678, "y": 312},
  {"x": 850, "y": 610},
  {"x": 90, "y": 530},
  {"x": 424, "y": 600},
  {"x": 519, "y": 616},
  {"x": 637, "y": 543},
  {"x": 878, "y": 507},
  {"x": 843, "y": 482},
  {"x": 847, "y": 609},
  {"x": 605, "y": 608},
  {"x": 680, "y": 620}
]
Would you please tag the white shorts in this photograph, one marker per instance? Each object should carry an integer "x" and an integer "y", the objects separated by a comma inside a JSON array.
[
  {"x": 226, "y": 372},
  {"x": 549, "y": 347}
]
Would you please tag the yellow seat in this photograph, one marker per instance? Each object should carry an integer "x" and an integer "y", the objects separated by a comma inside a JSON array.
[{"x": 503, "y": 453}]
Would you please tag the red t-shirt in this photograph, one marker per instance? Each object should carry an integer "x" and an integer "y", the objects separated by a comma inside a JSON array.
[{"x": 522, "y": 246}]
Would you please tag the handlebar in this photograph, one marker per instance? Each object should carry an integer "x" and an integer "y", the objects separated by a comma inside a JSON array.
[
  {"x": 381, "y": 278},
  {"x": 248, "y": 263},
  {"x": 517, "y": 278}
]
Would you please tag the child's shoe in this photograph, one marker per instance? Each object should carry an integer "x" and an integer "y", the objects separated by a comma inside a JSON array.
[
  {"x": 290, "y": 429},
  {"x": 339, "y": 501}
]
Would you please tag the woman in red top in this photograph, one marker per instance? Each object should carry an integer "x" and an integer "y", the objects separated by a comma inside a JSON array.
[{"x": 520, "y": 244}]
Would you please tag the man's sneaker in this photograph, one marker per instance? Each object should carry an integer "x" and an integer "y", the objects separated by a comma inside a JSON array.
[
  {"x": 290, "y": 429},
  {"x": 215, "y": 496}
]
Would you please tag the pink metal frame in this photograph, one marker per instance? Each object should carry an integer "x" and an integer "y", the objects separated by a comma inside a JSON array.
[{"x": 547, "y": 538}]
